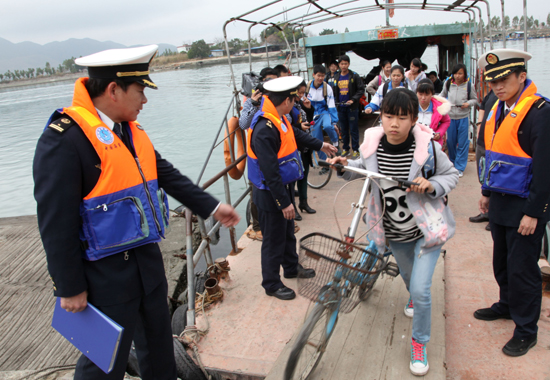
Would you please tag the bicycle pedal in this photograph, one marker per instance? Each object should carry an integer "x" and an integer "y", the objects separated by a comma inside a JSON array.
[{"x": 392, "y": 269}]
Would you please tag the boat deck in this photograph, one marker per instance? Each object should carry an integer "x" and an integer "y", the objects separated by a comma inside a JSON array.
[{"x": 251, "y": 334}]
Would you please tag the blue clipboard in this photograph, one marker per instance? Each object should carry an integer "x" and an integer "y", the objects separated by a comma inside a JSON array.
[{"x": 91, "y": 332}]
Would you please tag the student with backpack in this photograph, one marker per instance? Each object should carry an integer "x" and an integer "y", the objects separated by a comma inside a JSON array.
[
  {"x": 381, "y": 78},
  {"x": 348, "y": 90},
  {"x": 320, "y": 94},
  {"x": 417, "y": 221},
  {"x": 332, "y": 69},
  {"x": 458, "y": 89},
  {"x": 397, "y": 77}
]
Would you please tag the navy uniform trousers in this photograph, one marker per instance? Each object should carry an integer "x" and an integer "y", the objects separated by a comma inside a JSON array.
[
  {"x": 516, "y": 270},
  {"x": 278, "y": 245},
  {"x": 146, "y": 320}
]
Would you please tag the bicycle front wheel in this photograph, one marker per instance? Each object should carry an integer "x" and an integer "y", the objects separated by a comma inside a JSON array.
[
  {"x": 310, "y": 343},
  {"x": 318, "y": 176}
]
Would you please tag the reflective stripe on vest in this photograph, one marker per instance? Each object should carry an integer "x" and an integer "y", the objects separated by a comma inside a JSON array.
[
  {"x": 290, "y": 163},
  {"x": 126, "y": 208},
  {"x": 507, "y": 168}
]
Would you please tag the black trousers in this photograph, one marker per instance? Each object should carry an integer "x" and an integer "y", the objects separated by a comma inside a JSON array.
[
  {"x": 302, "y": 184},
  {"x": 515, "y": 266},
  {"x": 146, "y": 320},
  {"x": 278, "y": 248}
]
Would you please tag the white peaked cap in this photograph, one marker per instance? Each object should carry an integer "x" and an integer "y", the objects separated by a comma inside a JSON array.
[
  {"x": 116, "y": 57},
  {"x": 128, "y": 65},
  {"x": 283, "y": 84},
  {"x": 499, "y": 63}
]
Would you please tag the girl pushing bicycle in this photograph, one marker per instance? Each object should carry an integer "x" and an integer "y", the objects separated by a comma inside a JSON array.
[{"x": 416, "y": 221}]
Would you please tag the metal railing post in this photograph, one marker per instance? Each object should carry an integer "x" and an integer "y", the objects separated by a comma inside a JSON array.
[{"x": 190, "y": 270}]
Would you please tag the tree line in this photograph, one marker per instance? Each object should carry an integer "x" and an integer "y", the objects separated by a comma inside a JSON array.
[
  {"x": 517, "y": 23},
  {"x": 68, "y": 66}
]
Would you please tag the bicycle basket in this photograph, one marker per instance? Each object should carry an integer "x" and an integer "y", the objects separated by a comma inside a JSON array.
[{"x": 347, "y": 269}]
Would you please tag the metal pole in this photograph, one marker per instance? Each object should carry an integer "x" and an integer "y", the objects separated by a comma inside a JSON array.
[
  {"x": 265, "y": 42},
  {"x": 190, "y": 270},
  {"x": 387, "y": 15},
  {"x": 296, "y": 49},
  {"x": 503, "y": 25},
  {"x": 249, "y": 47},
  {"x": 235, "y": 92},
  {"x": 525, "y": 25}
]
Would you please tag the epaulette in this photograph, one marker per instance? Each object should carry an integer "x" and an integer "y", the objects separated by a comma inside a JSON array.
[
  {"x": 62, "y": 124},
  {"x": 540, "y": 102}
]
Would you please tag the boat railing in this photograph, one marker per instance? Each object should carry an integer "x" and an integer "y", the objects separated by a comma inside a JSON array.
[{"x": 207, "y": 235}]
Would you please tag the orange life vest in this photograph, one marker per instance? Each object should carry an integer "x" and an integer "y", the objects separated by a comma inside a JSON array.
[
  {"x": 507, "y": 168},
  {"x": 290, "y": 163},
  {"x": 126, "y": 208}
]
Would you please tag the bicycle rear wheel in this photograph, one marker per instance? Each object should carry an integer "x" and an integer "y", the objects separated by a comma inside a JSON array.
[
  {"x": 318, "y": 176},
  {"x": 311, "y": 343}
]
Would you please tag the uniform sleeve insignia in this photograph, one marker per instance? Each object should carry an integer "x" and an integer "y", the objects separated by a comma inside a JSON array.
[
  {"x": 269, "y": 124},
  {"x": 65, "y": 121}
]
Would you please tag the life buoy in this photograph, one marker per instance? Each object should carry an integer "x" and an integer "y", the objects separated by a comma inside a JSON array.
[{"x": 234, "y": 129}]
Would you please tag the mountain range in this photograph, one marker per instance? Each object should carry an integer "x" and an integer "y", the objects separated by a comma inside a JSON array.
[{"x": 24, "y": 55}]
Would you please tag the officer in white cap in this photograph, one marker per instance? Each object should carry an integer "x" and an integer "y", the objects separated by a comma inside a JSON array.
[
  {"x": 273, "y": 167},
  {"x": 100, "y": 190},
  {"x": 515, "y": 192}
]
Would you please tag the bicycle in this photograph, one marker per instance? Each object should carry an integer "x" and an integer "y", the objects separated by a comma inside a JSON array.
[
  {"x": 318, "y": 176},
  {"x": 345, "y": 274}
]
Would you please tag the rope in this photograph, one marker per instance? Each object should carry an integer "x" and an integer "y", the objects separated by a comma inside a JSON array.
[
  {"x": 51, "y": 370},
  {"x": 191, "y": 335}
]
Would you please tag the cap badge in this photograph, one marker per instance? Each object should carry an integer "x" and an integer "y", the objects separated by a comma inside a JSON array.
[
  {"x": 104, "y": 135},
  {"x": 65, "y": 121},
  {"x": 491, "y": 59}
]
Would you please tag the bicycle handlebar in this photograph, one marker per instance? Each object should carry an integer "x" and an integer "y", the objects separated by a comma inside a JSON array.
[{"x": 340, "y": 168}]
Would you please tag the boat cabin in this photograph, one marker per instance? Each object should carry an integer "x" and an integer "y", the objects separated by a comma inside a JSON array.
[{"x": 401, "y": 43}]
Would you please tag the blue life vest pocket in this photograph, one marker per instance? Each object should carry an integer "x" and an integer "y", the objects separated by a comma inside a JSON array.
[
  {"x": 114, "y": 224},
  {"x": 291, "y": 170},
  {"x": 164, "y": 209},
  {"x": 509, "y": 178}
]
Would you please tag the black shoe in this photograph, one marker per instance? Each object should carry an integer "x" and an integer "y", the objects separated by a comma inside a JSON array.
[
  {"x": 297, "y": 215},
  {"x": 479, "y": 218},
  {"x": 323, "y": 171},
  {"x": 488, "y": 227},
  {"x": 302, "y": 273},
  {"x": 303, "y": 206},
  {"x": 283, "y": 293},
  {"x": 489, "y": 314},
  {"x": 518, "y": 347}
]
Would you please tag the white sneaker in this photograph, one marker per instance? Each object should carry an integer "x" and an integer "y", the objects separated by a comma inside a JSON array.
[
  {"x": 409, "y": 311},
  {"x": 419, "y": 359},
  {"x": 460, "y": 174}
]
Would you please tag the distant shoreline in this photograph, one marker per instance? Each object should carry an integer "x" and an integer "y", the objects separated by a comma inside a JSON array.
[{"x": 182, "y": 65}]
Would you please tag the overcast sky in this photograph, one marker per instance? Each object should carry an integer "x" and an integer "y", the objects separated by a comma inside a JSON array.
[{"x": 177, "y": 22}]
